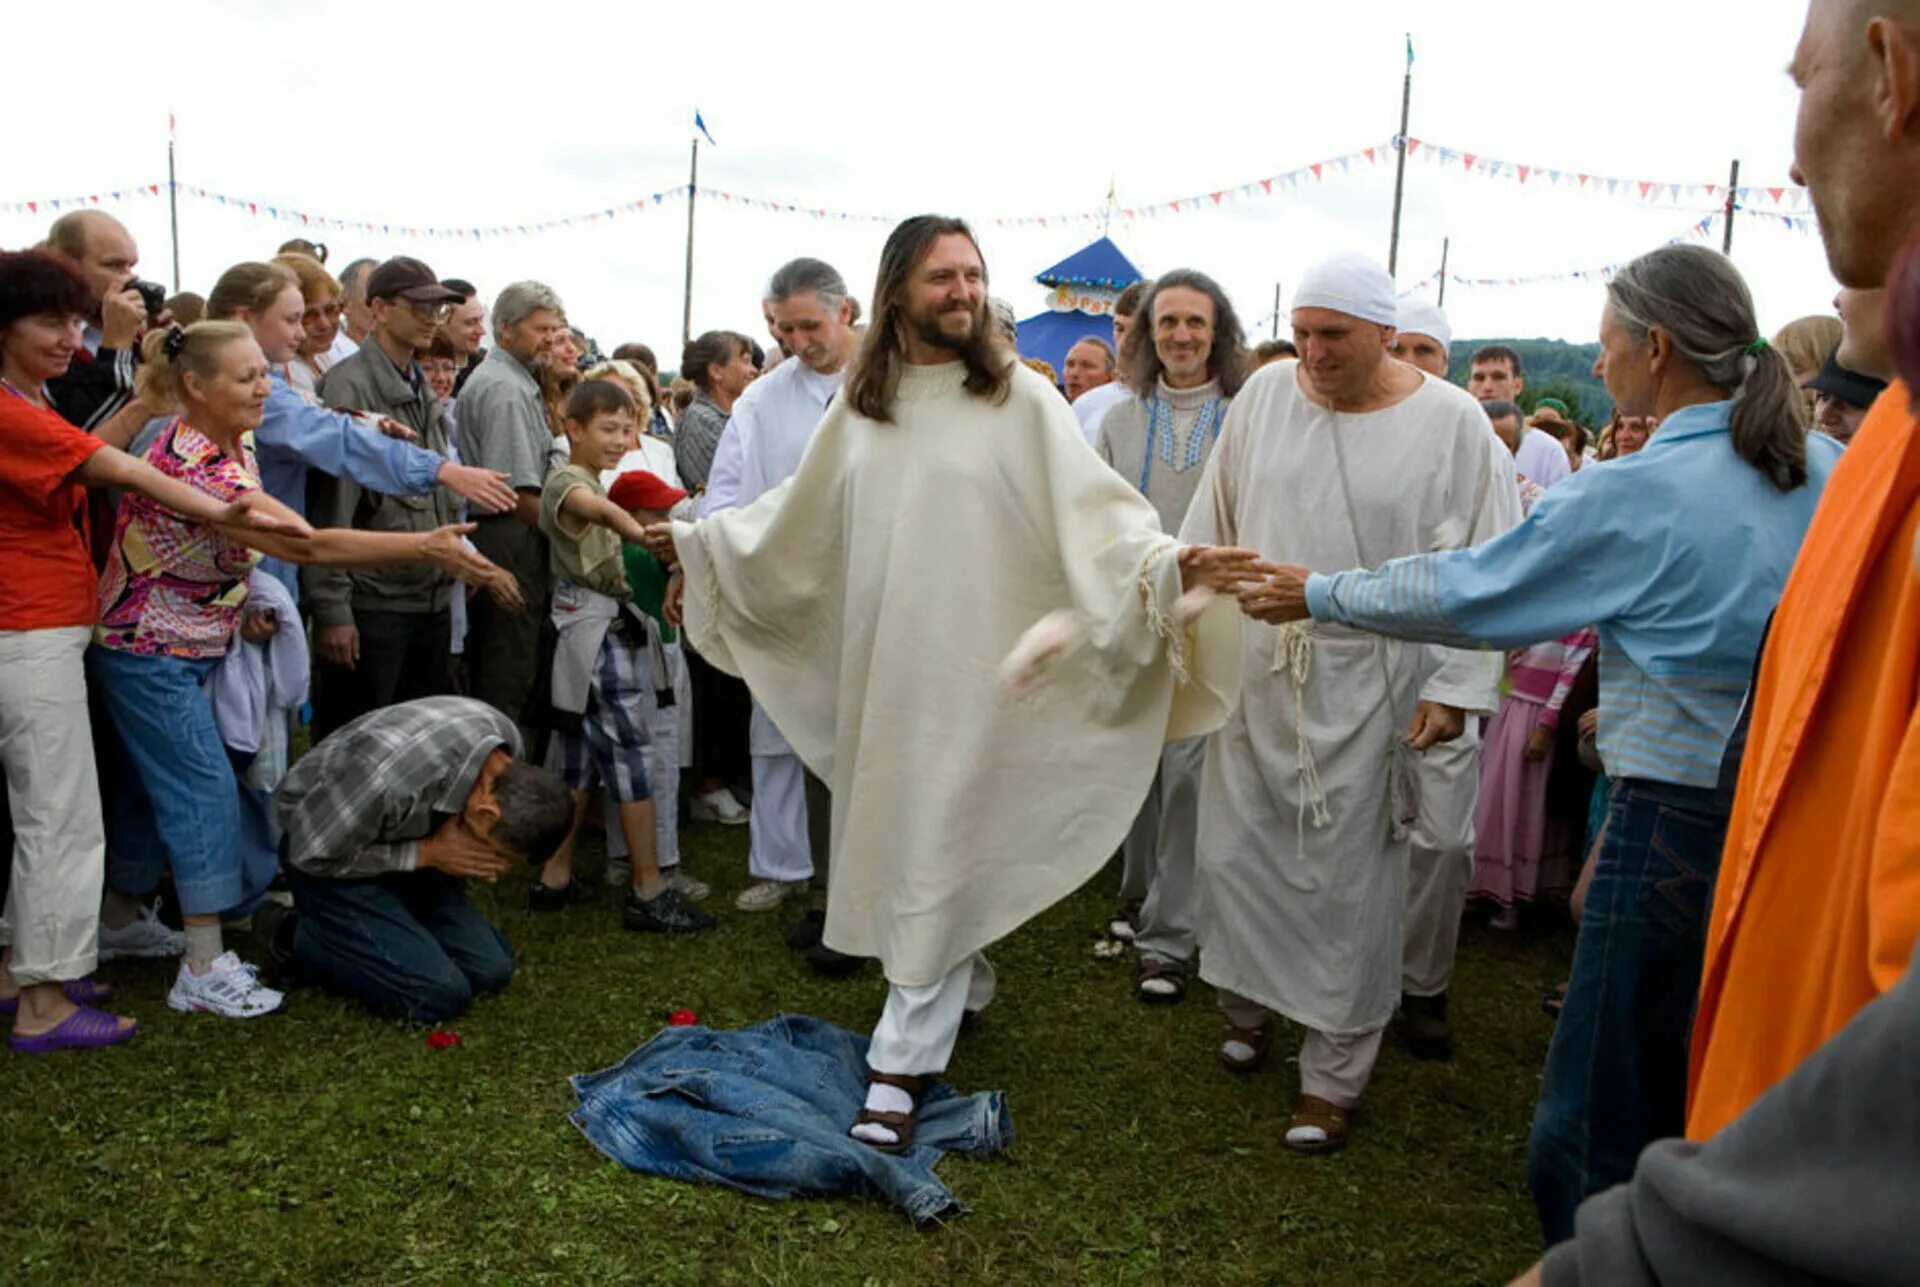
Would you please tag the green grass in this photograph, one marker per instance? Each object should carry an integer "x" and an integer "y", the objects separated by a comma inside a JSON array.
[{"x": 326, "y": 1146}]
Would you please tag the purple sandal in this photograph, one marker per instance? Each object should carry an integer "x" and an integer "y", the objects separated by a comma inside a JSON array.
[
  {"x": 87, "y": 991},
  {"x": 84, "y": 1029}
]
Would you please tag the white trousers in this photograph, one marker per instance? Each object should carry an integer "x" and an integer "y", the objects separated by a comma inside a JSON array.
[
  {"x": 1166, "y": 916},
  {"x": 919, "y": 1026},
  {"x": 59, "y": 847},
  {"x": 1440, "y": 862},
  {"x": 777, "y": 828},
  {"x": 1333, "y": 1066},
  {"x": 664, "y": 761}
]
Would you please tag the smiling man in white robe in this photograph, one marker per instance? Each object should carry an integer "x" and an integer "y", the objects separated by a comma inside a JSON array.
[
  {"x": 946, "y": 505},
  {"x": 1310, "y": 789}
]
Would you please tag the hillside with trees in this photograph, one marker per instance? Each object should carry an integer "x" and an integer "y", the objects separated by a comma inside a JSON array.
[{"x": 1554, "y": 369}]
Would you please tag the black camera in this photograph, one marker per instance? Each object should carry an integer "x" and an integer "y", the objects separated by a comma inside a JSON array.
[{"x": 152, "y": 294}]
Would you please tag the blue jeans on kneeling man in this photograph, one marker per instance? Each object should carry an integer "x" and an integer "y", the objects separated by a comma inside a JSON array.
[{"x": 408, "y": 944}]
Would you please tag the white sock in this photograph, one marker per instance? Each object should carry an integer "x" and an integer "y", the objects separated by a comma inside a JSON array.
[
  {"x": 1306, "y": 1135},
  {"x": 1238, "y": 1051},
  {"x": 882, "y": 1098},
  {"x": 203, "y": 947}
]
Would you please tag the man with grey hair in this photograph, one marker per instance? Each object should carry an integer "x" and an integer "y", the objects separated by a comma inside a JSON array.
[
  {"x": 357, "y": 314},
  {"x": 771, "y": 425},
  {"x": 503, "y": 426},
  {"x": 1088, "y": 365}
]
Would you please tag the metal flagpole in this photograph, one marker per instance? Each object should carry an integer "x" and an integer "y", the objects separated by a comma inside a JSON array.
[
  {"x": 1400, "y": 170},
  {"x": 693, "y": 191},
  {"x": 1733, "y": 186},
  {"x": 1276, "y": 310},
  {"x": 173, "y": 205},
  {"x": 1446, "y": 247}
]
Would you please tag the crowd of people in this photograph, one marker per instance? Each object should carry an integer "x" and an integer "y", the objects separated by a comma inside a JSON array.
[{"x": 1330, "y": 650}]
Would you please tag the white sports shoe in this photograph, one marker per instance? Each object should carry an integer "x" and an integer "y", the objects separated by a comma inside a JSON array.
[
  {"x": 718, "y": 806},
  {"x": 146, "y": 936},
  {"x": 619, "y": 872},
  {"x": 691, "y": 888},
  {"x": 230, "y": 988},
  {"x": 765, "y": 895}
]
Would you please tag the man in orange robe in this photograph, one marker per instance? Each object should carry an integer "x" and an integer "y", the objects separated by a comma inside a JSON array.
[{"x": 1818, "y": 902}]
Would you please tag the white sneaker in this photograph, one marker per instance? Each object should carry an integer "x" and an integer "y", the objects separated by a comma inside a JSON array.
[
  {"x": 230, "y": 988},
  {"x": 718, "y": 806},
  {"x": 765, "y": 895},
  {"x": 619, "y": 873},
  {"x": 691, "y": 889},
  {"x": 146, "y": 936}
]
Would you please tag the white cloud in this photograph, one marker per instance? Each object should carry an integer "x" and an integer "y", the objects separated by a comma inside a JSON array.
[{"x": 476, "y": 115}]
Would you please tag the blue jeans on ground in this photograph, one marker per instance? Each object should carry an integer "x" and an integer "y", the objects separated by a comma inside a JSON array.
[
  {"x": 766, "y": 1110},
  {"x": 1616, "y": 1077},
  {"x": 408, "y": 944},
  {"x": 179, "y": 803}
]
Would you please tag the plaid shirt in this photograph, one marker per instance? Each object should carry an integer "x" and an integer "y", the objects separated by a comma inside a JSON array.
[{"x": 359, "y": 803}]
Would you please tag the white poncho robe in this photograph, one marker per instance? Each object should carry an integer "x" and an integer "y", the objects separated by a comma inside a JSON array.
[
  {"x": 1302, "y": 878},
  {"x": 869, "y": 602}
]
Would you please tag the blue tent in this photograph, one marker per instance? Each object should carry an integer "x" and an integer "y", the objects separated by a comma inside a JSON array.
[{"x": 1101, "y": 269}]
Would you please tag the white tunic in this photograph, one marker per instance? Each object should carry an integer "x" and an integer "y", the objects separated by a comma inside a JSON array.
[
  {"x": 870, "y": 601},
  {"x": 1302, "y": 877}
]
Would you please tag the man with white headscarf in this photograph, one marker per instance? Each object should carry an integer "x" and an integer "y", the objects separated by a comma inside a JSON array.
[
  {"x": 1441, "y": 846},
  {"x": 1308, "y": 795}
]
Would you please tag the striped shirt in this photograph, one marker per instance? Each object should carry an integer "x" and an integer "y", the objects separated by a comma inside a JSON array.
[
  {"x": 1678, "y": 553},
  {"x": 360, "y": 803}
]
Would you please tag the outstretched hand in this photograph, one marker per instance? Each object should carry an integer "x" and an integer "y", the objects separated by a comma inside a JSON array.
[
  {"x": 447, "y": 548},
  {"x": 1223, "y": 569},
  {"x": 658, "y": 538},
  {"x": 487, "y": 488},
  {"x": 1278, "y": 597}
]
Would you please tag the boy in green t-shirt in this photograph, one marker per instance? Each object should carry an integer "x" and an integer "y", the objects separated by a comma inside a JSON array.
[
  {"x": 603, "y": 662},
  {"x": 650, "y": 499}
]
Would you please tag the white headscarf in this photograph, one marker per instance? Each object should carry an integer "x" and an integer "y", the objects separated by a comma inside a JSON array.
[
  {"x": 1353, "y": 284},
  {"x": 1418, "y": 317}
]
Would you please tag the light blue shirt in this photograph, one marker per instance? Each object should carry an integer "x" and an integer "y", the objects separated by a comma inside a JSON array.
[
  {"x": 296, "y": 437},
  {"x": 1678, "y": 554}
]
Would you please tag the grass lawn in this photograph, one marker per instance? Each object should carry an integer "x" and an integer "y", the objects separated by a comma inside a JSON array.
[{"x": 329, "y": 1147}]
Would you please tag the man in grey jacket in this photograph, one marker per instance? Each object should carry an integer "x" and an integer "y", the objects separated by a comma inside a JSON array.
[
  {"x": 1818, "y": 1181},
  {"x": 383, "y": 635}
]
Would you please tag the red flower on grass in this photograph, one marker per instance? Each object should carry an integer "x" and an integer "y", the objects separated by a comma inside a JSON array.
[
  {"x": 682, "y": 1019},
  {"x": 442, "y": 1039}
]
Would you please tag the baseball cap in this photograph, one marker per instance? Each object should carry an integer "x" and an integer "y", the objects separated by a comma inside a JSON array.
[
  {"x": 638, "y": 489},
  {"x": 409, "y": 279},
  {"x": 1850, "y": 387}
]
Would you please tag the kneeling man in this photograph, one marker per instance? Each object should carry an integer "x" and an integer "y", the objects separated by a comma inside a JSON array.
[{"x": 384, "y": 822}]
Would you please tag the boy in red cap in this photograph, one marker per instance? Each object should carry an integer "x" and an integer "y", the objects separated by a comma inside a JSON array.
[{"x": 606, "y": 660}]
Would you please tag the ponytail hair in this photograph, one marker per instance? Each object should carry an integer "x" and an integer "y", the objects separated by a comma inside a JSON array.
[
  {"x": 1700, "y": 300},
  {"x": 166, "y": 356},
  {"x": 249, "y": 286}
]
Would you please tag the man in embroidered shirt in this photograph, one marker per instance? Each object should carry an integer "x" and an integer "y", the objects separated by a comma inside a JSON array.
[
  {"x": 1182, "y": 366},
  {"x": 383, "y": 823},
  {"x": 1307, "y": 796}
]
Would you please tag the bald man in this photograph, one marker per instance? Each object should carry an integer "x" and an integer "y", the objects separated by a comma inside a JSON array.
[
  {"x": 103, "y": 250},
  {"x": 1817, "y": 905}
]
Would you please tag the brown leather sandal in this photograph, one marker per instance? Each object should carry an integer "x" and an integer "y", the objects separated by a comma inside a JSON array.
[
  {"x": 1333, "y": 1121},
  {"x": 1172, "y": 976},
  {"x": 1260, "y": 1039},
  {"x": 901, "y": 1124}
]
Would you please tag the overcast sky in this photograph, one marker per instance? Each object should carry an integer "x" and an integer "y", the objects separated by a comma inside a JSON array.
[{"x": 443, "y": 115}]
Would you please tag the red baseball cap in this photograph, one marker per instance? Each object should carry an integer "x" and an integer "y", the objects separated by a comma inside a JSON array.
[{"x": 639, "y": 489}]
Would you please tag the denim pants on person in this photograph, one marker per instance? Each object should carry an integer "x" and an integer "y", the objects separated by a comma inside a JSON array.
[
  {"x": 408, "y": 944},
  {"x": 179, "y": 802},
  {"x": 1616, "y": 1076}
]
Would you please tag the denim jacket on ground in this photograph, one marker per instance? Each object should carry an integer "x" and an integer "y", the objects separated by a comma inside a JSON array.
[{"x": 766, "y": 1110}]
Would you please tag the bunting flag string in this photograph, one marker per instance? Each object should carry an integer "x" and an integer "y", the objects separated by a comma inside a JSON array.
[
  {"x": 1747, "y": 199},
  {"x": 1789, "y": 203},
  {"x": 1604, "y": 272}
]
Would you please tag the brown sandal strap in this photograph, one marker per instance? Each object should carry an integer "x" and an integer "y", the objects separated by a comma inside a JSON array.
[{"x": 915, "y": 1086}]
